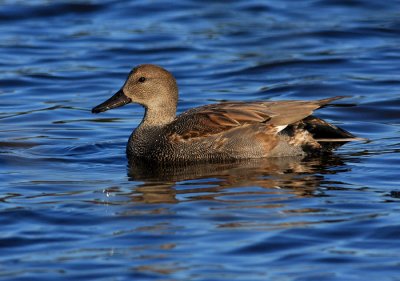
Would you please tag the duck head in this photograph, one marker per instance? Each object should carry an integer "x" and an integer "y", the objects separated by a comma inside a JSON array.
[{"x": 150, "y": 86}]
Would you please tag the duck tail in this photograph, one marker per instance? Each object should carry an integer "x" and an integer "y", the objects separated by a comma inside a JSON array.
[
  {"x": 340, "y": 139},
  {"x": 324, "y": 132},
  {"x": 326, "y": 101}
]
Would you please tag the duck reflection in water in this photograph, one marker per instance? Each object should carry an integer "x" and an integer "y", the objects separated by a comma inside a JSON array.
[{"x": 290, "y": 175}]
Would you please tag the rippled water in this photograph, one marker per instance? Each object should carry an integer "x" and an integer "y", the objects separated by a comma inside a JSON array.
[{"x": 71, "y": 209}]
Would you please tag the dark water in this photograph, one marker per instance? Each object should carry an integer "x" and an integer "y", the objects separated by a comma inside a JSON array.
[{"x": 71, "y": 210}]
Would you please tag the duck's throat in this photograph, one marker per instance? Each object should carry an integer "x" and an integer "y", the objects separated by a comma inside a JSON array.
[{"x": 160, "y": 116}]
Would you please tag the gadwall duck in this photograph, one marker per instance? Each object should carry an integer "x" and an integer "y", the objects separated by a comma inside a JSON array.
[{"x": 218, "y": 132}]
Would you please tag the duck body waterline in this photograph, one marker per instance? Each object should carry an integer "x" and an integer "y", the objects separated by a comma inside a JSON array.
[{"x": 218, "y": 132}]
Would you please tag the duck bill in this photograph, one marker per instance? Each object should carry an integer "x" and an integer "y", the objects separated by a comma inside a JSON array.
[{"x": 117, "y": 100}]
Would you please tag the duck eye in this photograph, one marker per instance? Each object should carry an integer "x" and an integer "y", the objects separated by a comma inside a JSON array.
[{"x": 142, "y": 79}]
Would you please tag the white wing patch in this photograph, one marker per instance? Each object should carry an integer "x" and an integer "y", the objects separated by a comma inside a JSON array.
[{"x": 280, "y": 128}]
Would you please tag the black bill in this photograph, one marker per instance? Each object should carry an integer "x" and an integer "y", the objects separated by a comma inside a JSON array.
[{"x": 117, "y": 100}]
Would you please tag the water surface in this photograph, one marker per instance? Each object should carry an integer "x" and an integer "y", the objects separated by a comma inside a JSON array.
[{"x": 71, "y": 209}]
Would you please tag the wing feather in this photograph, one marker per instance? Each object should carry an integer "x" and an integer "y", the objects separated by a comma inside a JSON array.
[{"x": 217, "y": 118}]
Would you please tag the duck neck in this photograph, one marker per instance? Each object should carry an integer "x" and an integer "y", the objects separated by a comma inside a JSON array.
[{"x": 158, "y": 117}]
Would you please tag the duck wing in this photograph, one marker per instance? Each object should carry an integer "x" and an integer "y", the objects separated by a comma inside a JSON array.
[{"x": 213, "y": 119}]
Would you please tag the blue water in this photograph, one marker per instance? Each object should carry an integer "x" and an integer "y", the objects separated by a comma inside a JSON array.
[{"x": 70, "y": 209}]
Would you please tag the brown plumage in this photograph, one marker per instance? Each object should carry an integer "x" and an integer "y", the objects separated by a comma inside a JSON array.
[{"x": 219, "y": 132}]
